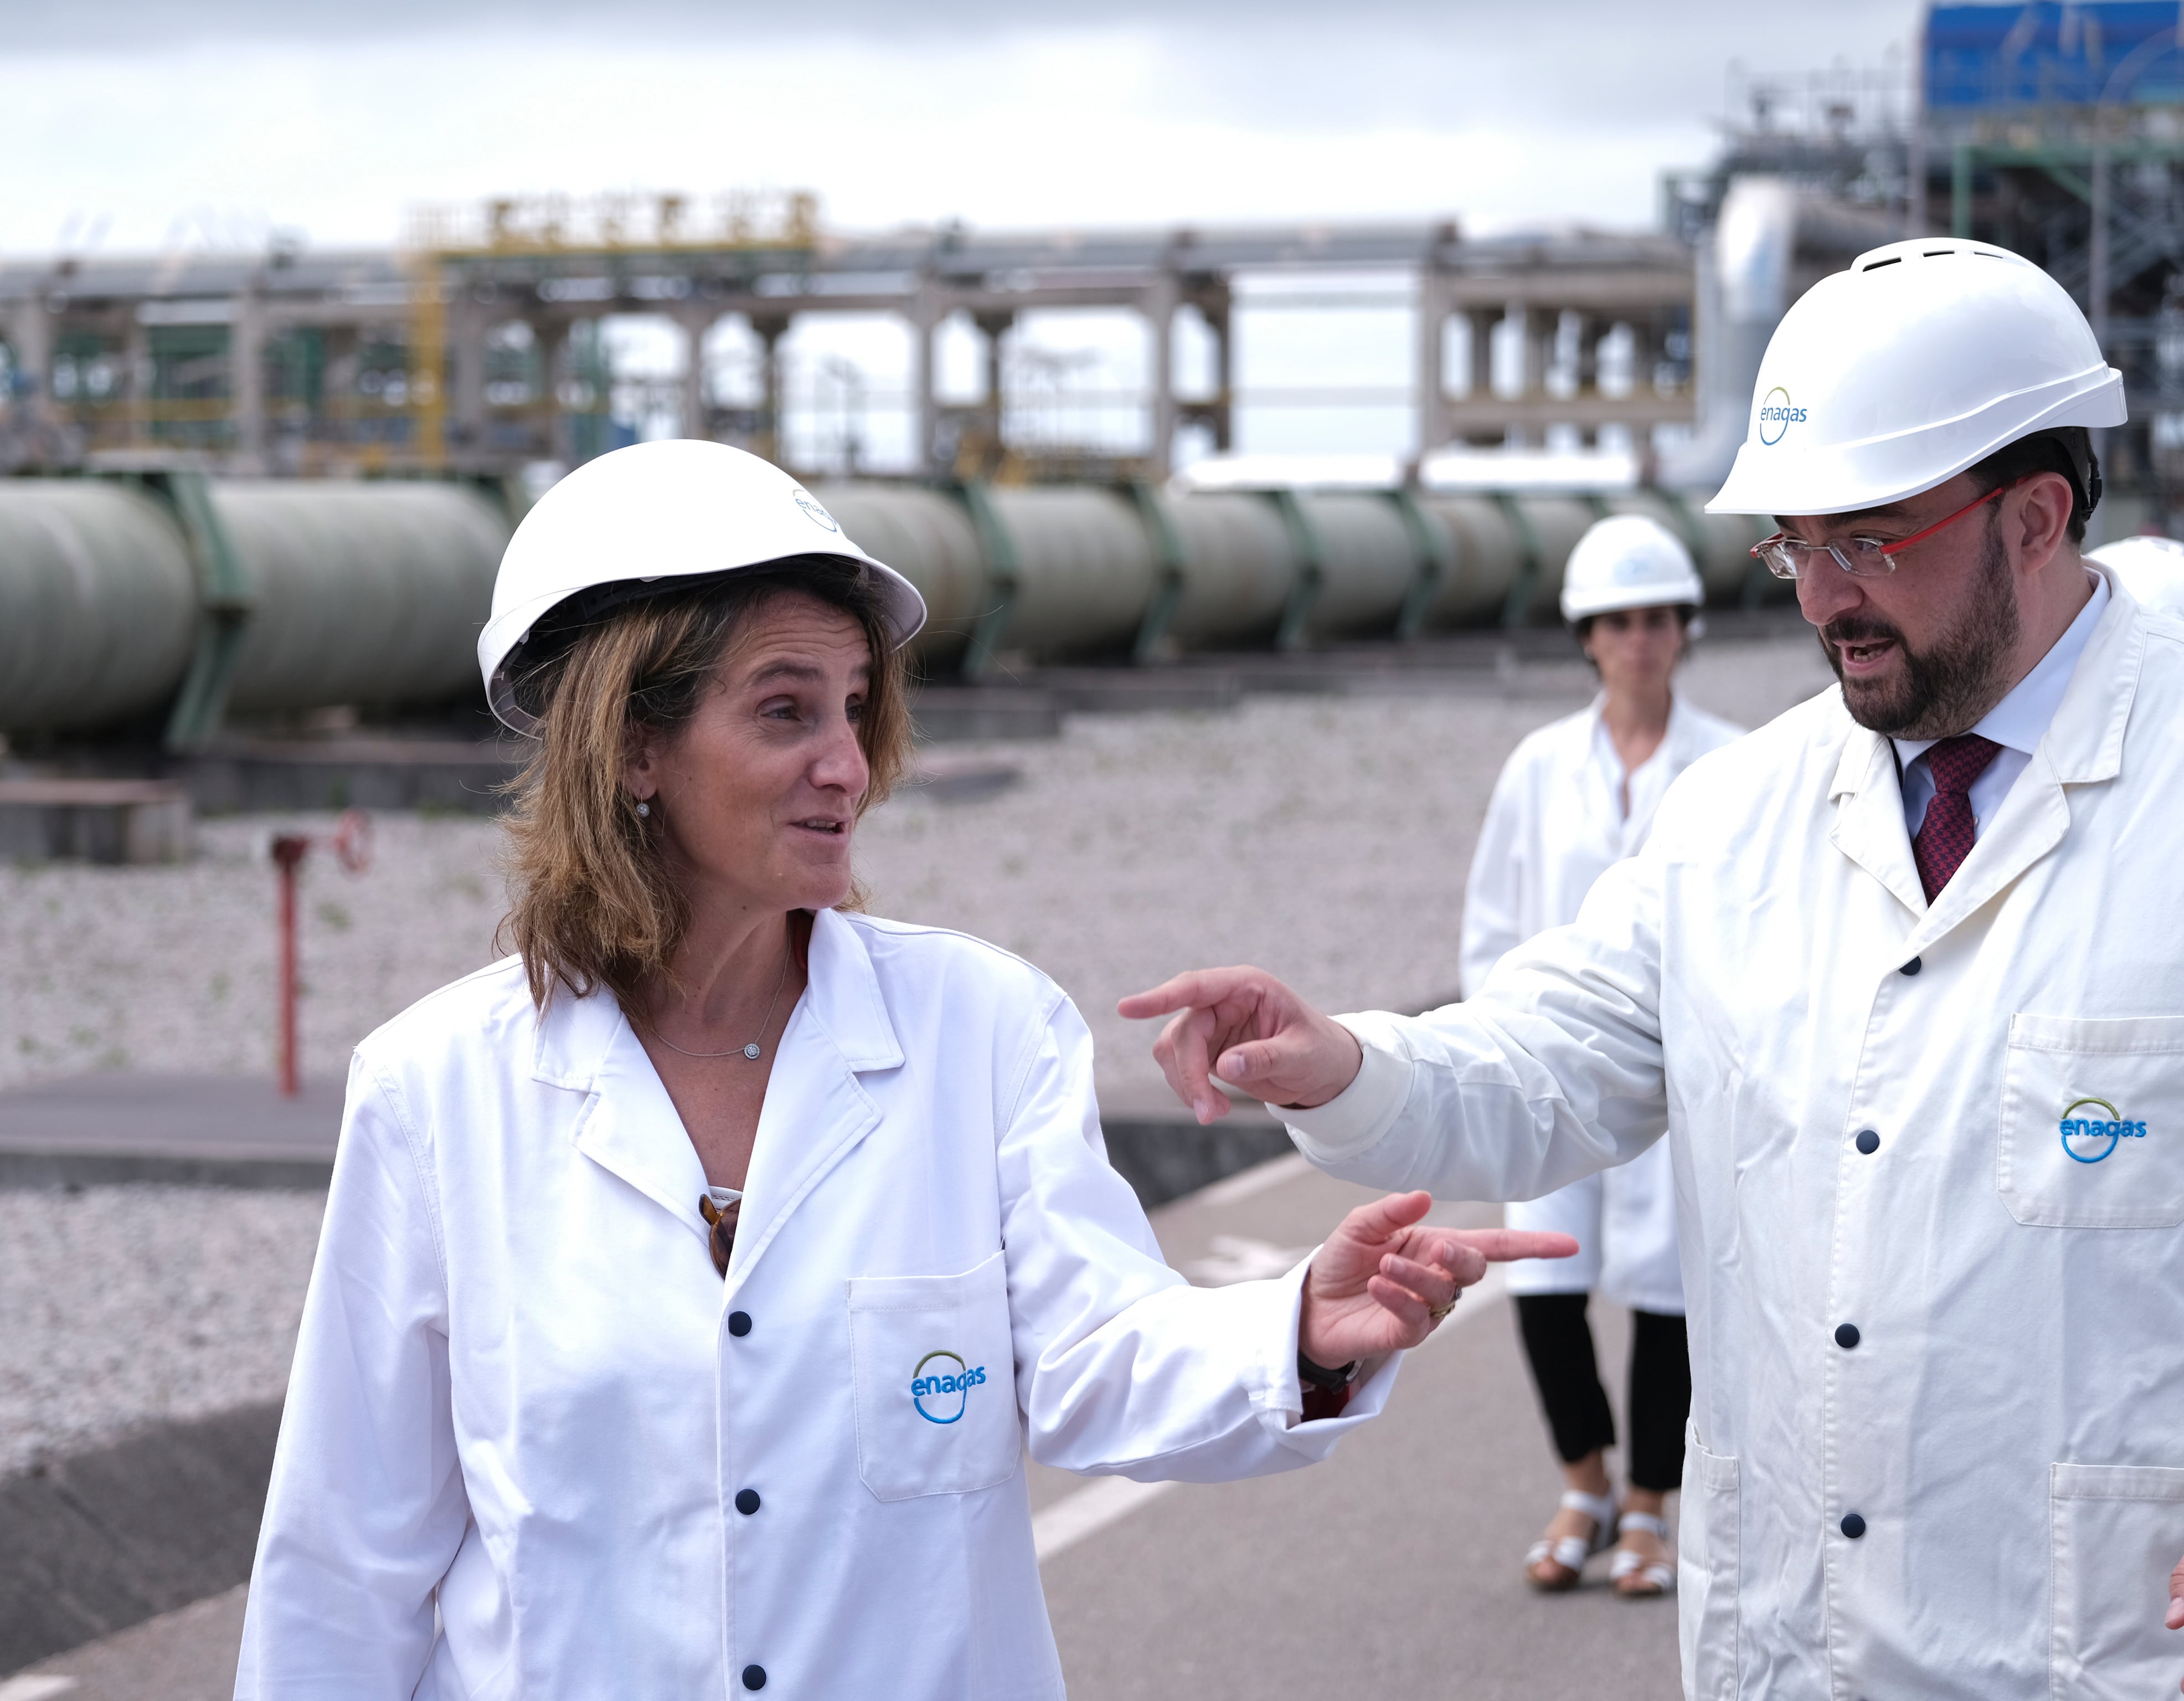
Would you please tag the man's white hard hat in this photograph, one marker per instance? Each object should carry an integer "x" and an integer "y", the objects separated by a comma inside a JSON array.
[
  {"x": 1921, "y": 360},
  {"x": 645, "y": 516},
  {"x": 1627, "y": 560},
  {"x": 2152, "y": 569}
]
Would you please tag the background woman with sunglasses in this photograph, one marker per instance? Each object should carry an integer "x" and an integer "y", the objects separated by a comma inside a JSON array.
[{"x": 693, "y": 1281}]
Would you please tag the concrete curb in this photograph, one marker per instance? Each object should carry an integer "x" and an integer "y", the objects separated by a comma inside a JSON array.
[
  {"x": 69, "y": 1170},
  {"x": 104, "y": 1539},
  {"x": 1165, "y": 1160}
]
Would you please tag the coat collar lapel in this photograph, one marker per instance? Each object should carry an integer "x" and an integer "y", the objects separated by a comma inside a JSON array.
[
  {"x": 1870, "y": 816},
  {"x": 816, "y": 1109},
  {"x": 2083, "y": 746},
  {"x": 628, "y": 1125}
]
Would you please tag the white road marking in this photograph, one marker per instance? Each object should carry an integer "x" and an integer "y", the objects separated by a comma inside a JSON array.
[
  {"x": 1074, "y": 1517},
  {"x": 1106, "y": 1500},
  {"x": 1239, "y": 1257},
  {"x": 34, "y": 1688}
]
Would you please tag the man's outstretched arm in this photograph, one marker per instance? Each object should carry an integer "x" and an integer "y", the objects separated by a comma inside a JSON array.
[{"x": 1553, "y": 1072}]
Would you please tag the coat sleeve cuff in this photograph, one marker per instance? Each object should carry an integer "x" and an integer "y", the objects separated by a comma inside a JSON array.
[
  {"x": 1359, "y": 1116},
  {"x": 1283, "y": 1407}
]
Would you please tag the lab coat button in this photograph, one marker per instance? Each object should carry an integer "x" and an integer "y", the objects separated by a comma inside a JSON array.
[
  {"x": 1868, "y": 1142},
  {"x": 754, "y": 1677},
  {"x": 1845, "y": 1337},
  {"x": 1911, "y": 966},
  {"x": 739, "y": 1325},
  {"x": 1853, "y": 1526},
  {"x": 746, "y": 1501}
]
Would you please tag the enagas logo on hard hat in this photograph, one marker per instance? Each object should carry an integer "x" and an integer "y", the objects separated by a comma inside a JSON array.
[
  {"x": 1777, "y": 416},
  {"x": 814, "y": 512}
]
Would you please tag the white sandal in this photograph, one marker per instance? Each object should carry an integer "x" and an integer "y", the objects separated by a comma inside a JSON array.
[
  {"x": 1571, "y": 1552},
  {"x": 1656, "y": 1577}
]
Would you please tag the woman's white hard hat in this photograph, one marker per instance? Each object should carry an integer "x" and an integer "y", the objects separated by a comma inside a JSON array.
[
  {"x": 2152, "y": 569},
  {"x": 650, "y": 514},
  {"x": 1920, "y": 361},
  {"x": 1627, "y": 560}
]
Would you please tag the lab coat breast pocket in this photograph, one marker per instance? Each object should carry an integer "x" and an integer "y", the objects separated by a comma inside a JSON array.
[
  {"x": 934, "y": 1364},
  {"x": 2116, "y": 1529},
  {"x": 2092, "y": 1122}
]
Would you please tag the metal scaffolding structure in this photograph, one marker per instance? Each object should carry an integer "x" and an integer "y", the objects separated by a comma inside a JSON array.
[
  {"x": 476, "y": 346},
  {"x": 2053, "y": 130}
]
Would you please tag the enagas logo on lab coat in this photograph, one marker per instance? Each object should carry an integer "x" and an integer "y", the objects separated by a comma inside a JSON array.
[
  {"x": 941, "y": 1397},
  {"x": 2089, "y": 1139}
]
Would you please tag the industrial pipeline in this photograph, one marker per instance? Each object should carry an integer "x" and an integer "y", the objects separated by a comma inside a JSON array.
[{"x": 173, "y": 603}]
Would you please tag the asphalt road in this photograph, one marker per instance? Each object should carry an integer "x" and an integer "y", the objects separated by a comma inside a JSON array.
[{"x": 1394, "y": 1570}]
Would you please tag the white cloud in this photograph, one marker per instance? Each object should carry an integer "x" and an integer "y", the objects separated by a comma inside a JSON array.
[{"x": 323, "y": 120}]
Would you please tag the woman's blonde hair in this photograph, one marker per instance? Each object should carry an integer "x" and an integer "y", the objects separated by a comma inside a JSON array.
[{"x": 594, "y": 902}]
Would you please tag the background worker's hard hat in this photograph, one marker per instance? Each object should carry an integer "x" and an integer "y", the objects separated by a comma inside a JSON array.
[
  {"x": 646, "y": 516},
  {"x": 1921, "y": 360},
  {"x": 2152, "y": 569},
  {"x": 1627, "y": 560}
]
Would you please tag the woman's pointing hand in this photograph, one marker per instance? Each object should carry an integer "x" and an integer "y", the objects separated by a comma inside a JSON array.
[{"x": 1382, "y": 1282}]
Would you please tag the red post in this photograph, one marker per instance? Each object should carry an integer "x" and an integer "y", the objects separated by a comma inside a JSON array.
[{"x": 288, "y": 852}]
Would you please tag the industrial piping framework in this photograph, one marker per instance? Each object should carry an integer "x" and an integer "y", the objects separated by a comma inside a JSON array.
[{"x": 173, "y": 596}]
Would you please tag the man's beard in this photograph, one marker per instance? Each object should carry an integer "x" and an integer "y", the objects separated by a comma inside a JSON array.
[{"x": 1944, "y": 688}]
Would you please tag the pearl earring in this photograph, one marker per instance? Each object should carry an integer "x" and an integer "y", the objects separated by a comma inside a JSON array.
[{"x": 642, "y": 807}]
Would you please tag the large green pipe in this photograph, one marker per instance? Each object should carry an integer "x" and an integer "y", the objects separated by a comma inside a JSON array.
[{"x": 271, "y": 596}]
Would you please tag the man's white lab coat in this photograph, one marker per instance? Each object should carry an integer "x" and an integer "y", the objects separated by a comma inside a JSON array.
[
  {"x": 522, "y": 1394},
  {"x": 1555, "y": 823},
  {"x": 1978, "y": 1495}
]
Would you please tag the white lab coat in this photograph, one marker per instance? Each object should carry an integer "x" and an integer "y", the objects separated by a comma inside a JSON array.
[
  {"x": 1555, "y": 823},
  {"x": 520, "y": 1395},
  {"x": 2008, "y": 1424}
]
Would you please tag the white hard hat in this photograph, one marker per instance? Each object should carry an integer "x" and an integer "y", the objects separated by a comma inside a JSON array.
[
  {"x": 659, "y": 511},
  {"x": 2152, "y": 569},
  {"x": 1921, "y": 360},
  {"x": 1627, "y": 560}
]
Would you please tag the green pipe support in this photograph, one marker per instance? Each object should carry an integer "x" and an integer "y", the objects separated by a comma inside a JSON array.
[
  {"x": 1517, "y": 610},
  {"x": 1172, "y": 566},
  {"x": 1002, "y": 574},
  {"x": 1687, "y": 523},
  {"x": 1311, "y": 569},
  {"x": 1435, "y": 563},
  {"x": 225, "y": 599}
]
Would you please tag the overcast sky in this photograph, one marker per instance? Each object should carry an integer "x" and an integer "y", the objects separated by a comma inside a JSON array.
[{"x": 138, "y": 124}]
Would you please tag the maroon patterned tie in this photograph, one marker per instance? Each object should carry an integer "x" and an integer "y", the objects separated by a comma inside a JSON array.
[{"x": 1946, "y": 835}]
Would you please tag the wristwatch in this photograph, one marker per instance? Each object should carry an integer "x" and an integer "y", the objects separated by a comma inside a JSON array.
[
  {"x": 1326, "y": 1393},
  {"x": 1320, "y": 1377}
]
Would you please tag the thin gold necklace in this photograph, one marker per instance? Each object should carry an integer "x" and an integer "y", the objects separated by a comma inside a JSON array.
[{"x": 754, "y": 1050}]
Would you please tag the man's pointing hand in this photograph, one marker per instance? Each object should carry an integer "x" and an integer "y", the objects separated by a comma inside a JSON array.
[{"x": 1246, "y": 1028}]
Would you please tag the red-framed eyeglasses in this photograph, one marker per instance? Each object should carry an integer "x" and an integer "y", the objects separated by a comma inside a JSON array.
[{"x": 1862, "y": 557}]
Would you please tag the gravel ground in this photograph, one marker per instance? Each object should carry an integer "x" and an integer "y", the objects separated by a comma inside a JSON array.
[
  {"x": 1324, "y": 838},
  {"x": 125, "y": 1305}
]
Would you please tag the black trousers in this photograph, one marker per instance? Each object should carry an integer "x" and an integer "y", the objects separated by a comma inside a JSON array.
[{"x": 1558, "y": 1343}]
